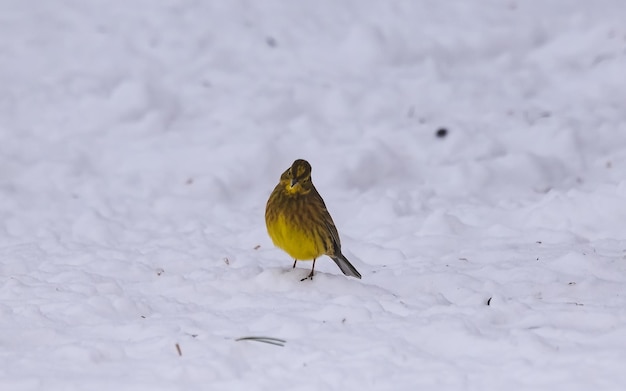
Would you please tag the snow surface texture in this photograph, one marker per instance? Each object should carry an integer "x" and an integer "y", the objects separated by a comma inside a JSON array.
[{"x": 139, "y": 142}]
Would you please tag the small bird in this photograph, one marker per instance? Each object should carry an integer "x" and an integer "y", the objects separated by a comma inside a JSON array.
[{"x": 299, "y": 223}]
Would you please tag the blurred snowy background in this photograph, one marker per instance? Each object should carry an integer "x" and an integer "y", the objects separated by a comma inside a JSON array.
[{"x": 472, "y": 154}]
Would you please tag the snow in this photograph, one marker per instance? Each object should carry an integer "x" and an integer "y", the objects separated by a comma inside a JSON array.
[{"x": 139, "y": 142}]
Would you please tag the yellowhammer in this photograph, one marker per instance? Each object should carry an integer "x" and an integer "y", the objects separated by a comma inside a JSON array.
[{"x": 298, "y": 222}]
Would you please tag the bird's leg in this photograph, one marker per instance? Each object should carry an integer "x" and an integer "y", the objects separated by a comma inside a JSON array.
[
  {"x": 310, "y": 274},
  {"x": 294, "y": 263}
]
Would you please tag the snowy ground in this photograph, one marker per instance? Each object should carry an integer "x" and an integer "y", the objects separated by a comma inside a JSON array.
[{"x": 139, "y": 142}]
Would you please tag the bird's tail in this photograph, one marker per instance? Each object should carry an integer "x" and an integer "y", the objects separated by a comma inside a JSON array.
[{"x": 345, "y": 266}]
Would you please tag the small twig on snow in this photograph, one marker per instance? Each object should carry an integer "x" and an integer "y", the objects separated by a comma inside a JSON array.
[{"x": 269, "y": 340}]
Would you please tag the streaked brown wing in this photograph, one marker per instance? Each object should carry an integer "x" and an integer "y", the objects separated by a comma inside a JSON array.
[{"x": 328, "y": 222}]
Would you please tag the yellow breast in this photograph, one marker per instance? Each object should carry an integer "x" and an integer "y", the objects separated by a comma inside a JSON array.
[{"x": 299, "y": 244}]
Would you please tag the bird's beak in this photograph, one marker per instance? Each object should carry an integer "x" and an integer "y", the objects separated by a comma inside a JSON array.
[{"x": 294, "y": 182}]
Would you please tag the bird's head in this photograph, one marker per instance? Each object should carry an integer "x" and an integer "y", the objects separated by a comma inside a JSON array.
[{"x": 297, "y": 178}]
